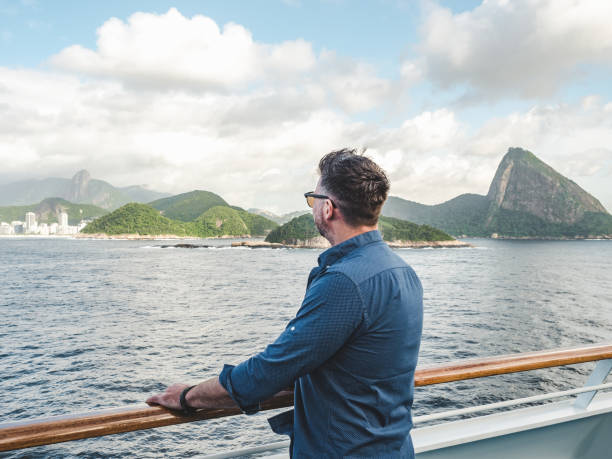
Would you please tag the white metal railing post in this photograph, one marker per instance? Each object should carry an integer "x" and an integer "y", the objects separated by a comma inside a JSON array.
[{"x": 598, "y": 376}]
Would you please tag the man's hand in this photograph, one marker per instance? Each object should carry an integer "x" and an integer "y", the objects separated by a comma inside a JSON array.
[
  {"x": 170, "y": 398},
  {"x": 208, "y": 394}
]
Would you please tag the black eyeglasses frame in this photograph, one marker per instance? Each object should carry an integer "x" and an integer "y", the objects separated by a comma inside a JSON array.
[{"x": 312, "y": 194}]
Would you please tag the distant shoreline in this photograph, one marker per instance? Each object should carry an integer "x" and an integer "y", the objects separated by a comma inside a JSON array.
[
  {"x": 258, "y": 240},
  {"x": 148, "y": 237},
  {"x": 393, "y": 245}
]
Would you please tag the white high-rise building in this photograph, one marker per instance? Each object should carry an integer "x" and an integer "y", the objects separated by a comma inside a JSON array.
[
  {"x": 53, "y": 228},
  {"x": 30, "y": 222},
  {"x": 63, "y": 219}
]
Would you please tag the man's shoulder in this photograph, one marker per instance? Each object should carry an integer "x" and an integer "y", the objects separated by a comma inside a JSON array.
[{"x": 369, "y": 261}]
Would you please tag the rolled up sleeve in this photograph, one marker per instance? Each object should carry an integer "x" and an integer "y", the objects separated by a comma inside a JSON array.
[{"x": 331, "y": 312}]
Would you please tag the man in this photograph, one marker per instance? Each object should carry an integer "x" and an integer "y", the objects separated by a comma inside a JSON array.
[{"x": 351, "y": 351}]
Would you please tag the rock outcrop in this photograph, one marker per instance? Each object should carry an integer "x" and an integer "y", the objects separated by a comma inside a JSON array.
[
  {"x": 527, "y": 199},
  {"x": 79, "y": 186},
  {"x": 524, "y": 183}
]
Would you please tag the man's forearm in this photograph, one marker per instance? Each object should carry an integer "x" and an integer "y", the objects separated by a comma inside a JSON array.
[{"x": 208, "y": 394}]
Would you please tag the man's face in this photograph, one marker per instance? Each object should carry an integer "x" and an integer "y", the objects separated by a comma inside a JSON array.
[{"x": 317, "y": 212}]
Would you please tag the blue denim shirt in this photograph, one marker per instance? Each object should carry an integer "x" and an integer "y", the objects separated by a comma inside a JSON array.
[{"x": 350, "y": 354}]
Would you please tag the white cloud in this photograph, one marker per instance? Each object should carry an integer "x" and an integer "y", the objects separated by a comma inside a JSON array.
[
  {"x": 143, "y": 108},
  {"x": 177, "y": 53},
  {"x": 167, "y": 50},
  {"x": 521, "y": 47}
]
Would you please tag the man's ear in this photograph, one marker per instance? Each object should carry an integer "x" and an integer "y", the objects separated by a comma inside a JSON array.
[{"x": 330, "y": 211}]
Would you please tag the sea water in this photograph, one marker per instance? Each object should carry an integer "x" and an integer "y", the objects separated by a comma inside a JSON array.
[{"x": 93, "y": 324}]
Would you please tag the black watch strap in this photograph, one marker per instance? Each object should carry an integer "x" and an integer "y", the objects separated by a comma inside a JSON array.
[{"x": 183, "y": 401}]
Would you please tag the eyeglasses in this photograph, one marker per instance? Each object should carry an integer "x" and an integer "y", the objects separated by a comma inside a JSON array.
[{"x": 311, "y": 196}]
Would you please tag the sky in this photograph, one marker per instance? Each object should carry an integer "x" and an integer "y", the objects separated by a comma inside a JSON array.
[{"x": 242, "y": 98}]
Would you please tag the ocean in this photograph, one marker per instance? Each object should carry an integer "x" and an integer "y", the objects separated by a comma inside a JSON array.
[{"x": 93, "y": 324}]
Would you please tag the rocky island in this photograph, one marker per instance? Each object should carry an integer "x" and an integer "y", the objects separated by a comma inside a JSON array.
[{"x": 301, "y": 232}]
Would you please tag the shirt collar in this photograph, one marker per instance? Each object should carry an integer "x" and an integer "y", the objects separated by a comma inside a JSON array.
[{"x": 333, "y": 254}]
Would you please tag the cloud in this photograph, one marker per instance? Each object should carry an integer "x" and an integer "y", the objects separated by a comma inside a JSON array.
[
  {"x": 527, "y": 48},
  {"x": 135, "y": 111},
  {"x": 167, "y": 50},
  {"x": 171, "y": 52}
]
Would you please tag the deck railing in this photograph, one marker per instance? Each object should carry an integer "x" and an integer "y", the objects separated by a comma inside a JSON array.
[{"x": 29, "y": 433}]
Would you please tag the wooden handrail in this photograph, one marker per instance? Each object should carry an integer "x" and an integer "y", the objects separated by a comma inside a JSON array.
[
  {"x": 30, "y": 433},
  {"x": 513, "y": 363}
]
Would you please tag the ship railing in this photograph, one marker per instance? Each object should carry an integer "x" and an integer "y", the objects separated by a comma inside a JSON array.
[{"x": 29, "y": 433}]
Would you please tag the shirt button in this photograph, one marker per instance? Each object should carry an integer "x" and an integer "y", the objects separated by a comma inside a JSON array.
[{"x": 292, "y": 328}]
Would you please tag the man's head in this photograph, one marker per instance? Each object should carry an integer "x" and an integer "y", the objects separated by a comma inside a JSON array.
[{"x": 357, "y": 188}]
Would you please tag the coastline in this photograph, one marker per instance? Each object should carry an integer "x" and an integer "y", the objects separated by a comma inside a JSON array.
[
  {"x": 393, "y": 245},
  {"x": 150, "y": 237}
]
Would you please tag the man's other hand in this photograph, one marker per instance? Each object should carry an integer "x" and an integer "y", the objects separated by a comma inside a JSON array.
[{"x": 170, "y": 398}]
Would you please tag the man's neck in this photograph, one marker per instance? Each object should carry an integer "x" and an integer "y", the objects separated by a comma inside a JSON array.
[{"x": 347, "y": 232}]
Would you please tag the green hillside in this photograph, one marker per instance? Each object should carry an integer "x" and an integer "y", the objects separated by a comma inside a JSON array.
[
  {"x": 48, "y": 210},
  {"x": 186, "y": 207},
  {"x": 135, "y": 218},
  {"x": 258, "y": 225},
  {"x": 465, "y": 214},
  {"x": 299, "y": 228},
  {"x": 279, "y": 219},
  {"x": 218, "y": 221},
  {"x": 392, "y": 230}
]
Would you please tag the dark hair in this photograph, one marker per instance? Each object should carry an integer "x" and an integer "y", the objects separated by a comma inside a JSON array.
[{"x": 357, "y": 183}]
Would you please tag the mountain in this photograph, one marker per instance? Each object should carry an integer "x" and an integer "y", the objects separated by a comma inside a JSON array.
[
  {"x": 280, "y": 219},
  {"x": 80, "y": 189},
  {"x": 48, "y": 210},
  {"x": 302, "y": 230},
  {"x": 187, "y": 207},
  {"x": 527, "y": 198},
  {"x": 524, "y": 183}
]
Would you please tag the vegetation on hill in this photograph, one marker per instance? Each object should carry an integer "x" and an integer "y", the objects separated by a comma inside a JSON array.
[
  {"x": 465, "y": 214},
  {"x": 513, "y": 223},
  {"x": 135, "y": 218},
  {"x": 280, "y": 219},
  {"x": 392, "y": 230},
  {"x": 258, "y": 225},
  {"x": 299, "y": 228},
  {"x": 48, "y": 210},
  {"x": 217, "y": 221},
  {"x": 187, "y": 207},
  {"x": 212, "y": 216}
]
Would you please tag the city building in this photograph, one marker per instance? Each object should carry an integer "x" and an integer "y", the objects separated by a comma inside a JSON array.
[
  {"x": 18, "y": 227},
  {"x": 31, "y": 226},
  {"x": 6, "y": 229},
  {"x": 30, "y": 223},
  {"x": 63, "y": 219}
]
